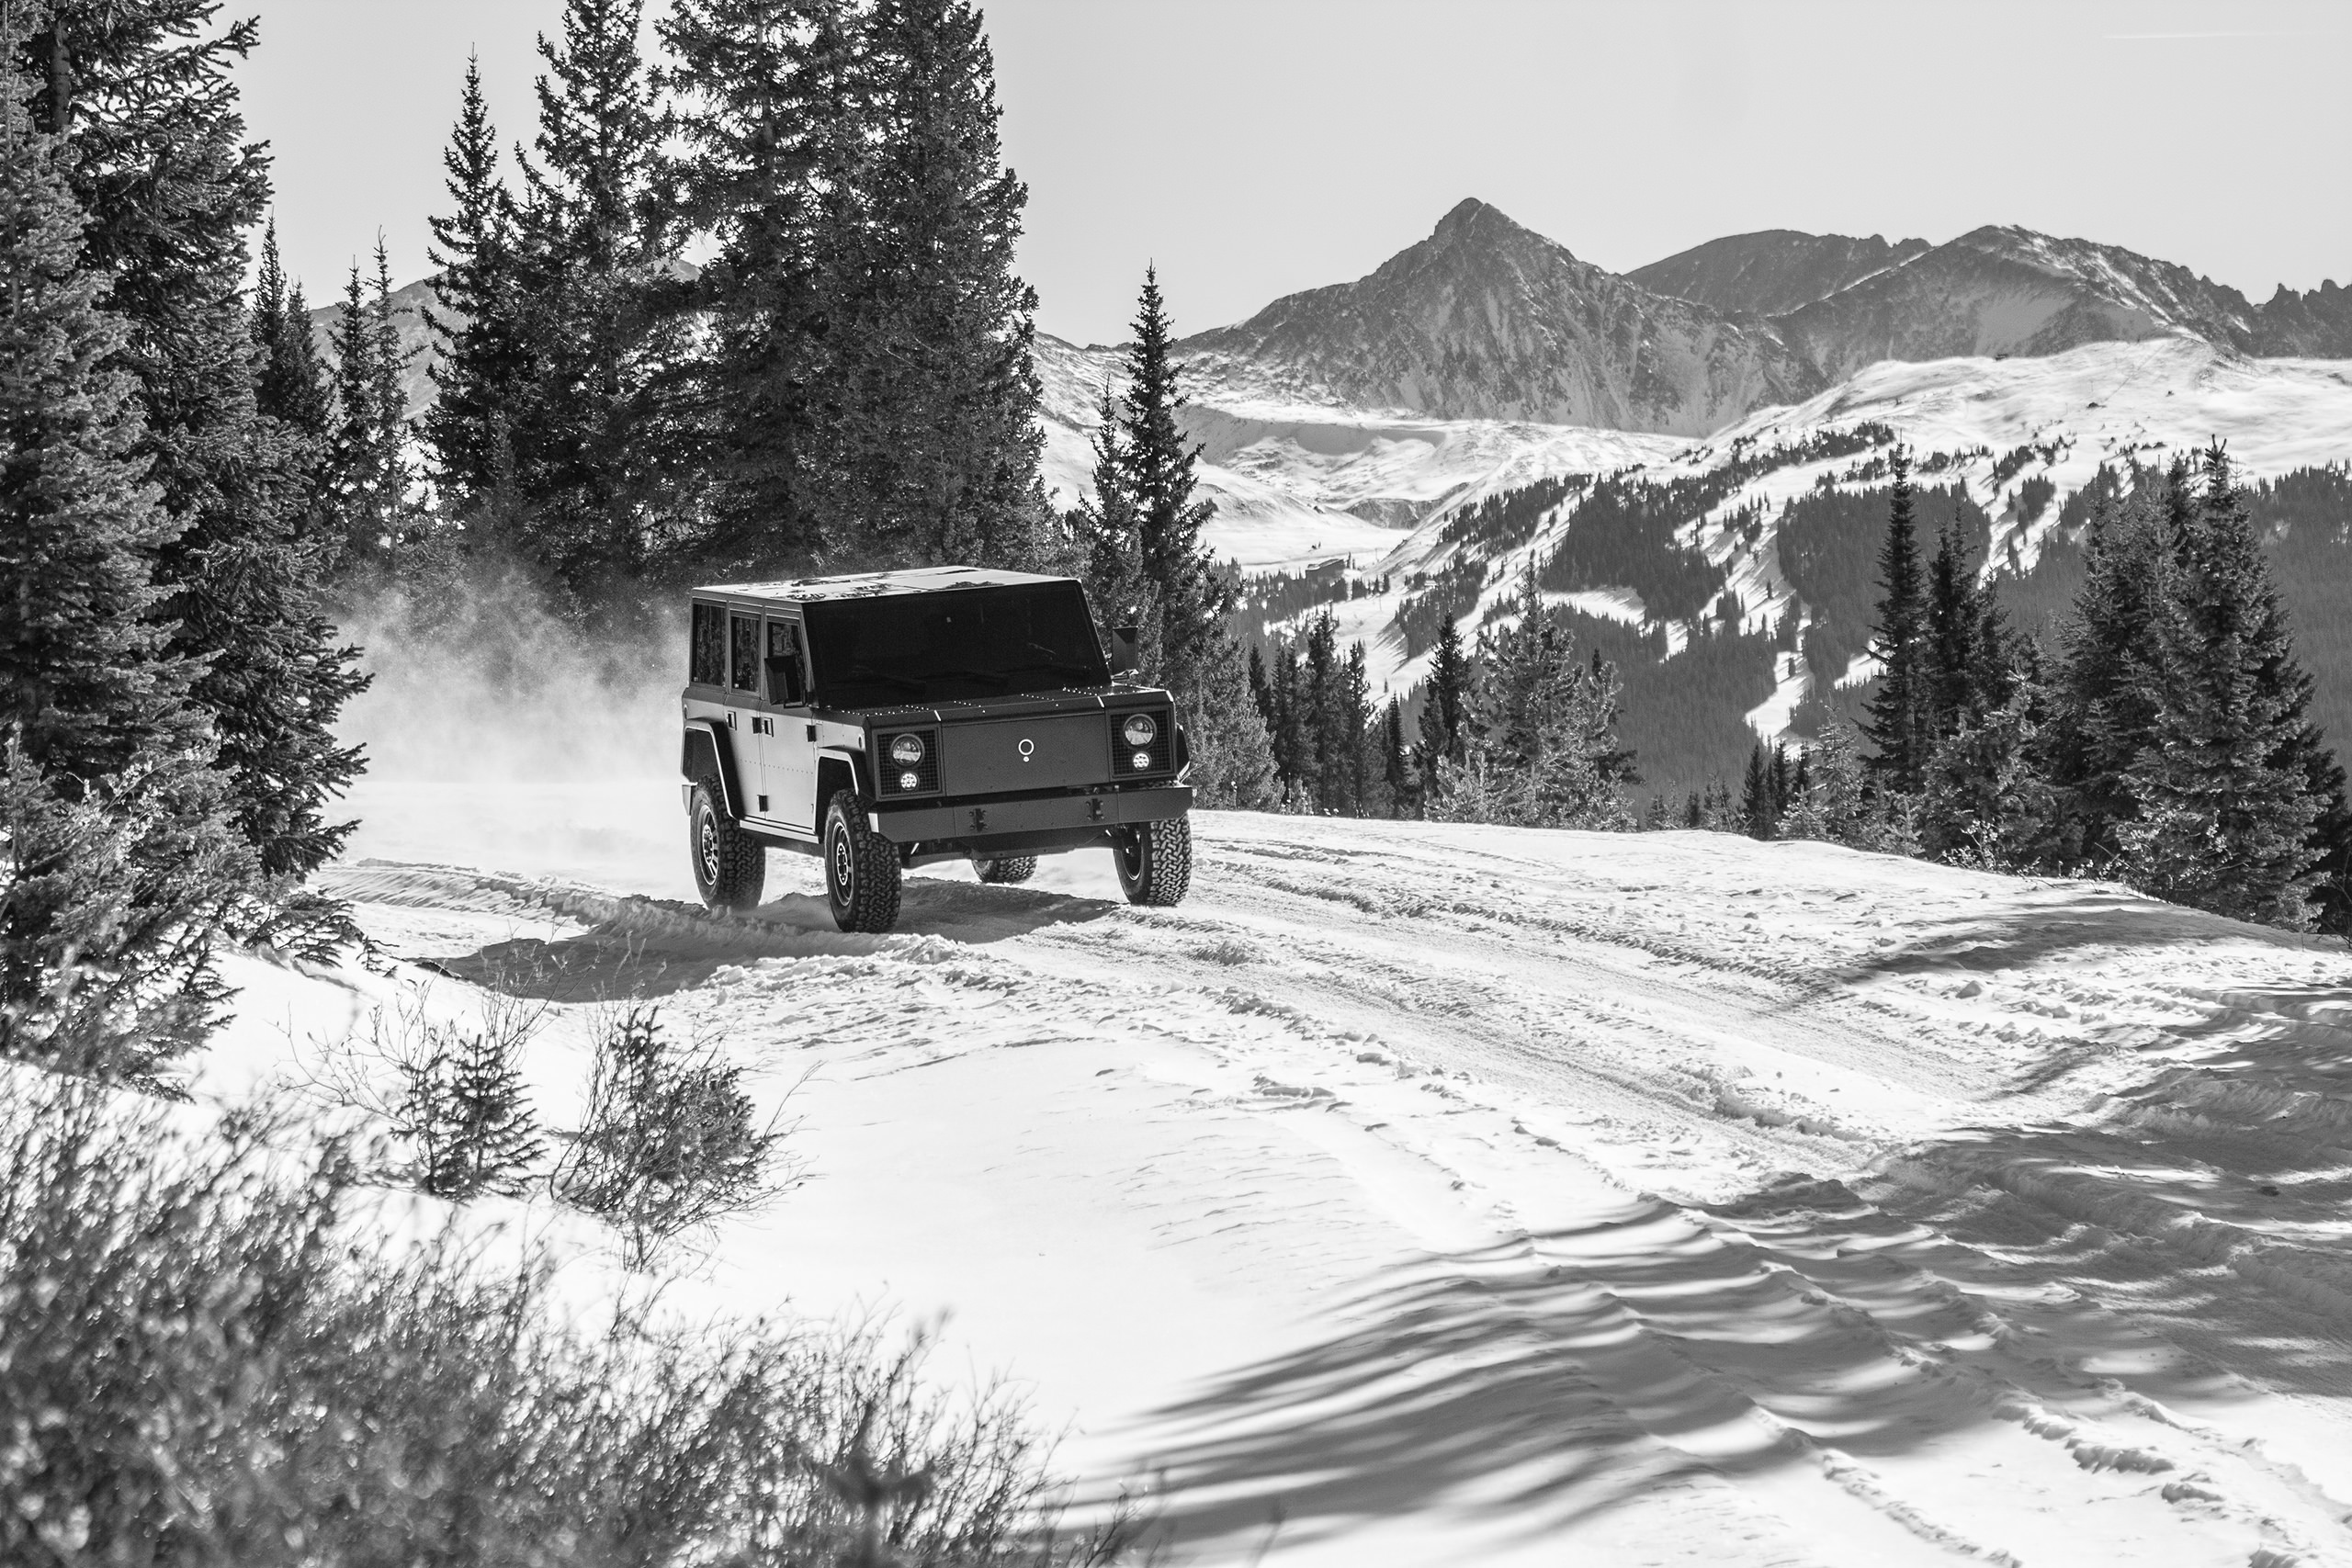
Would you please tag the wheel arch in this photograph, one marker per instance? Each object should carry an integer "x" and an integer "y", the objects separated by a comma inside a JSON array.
[
  {"x": 708, "y": 749},
  {"x": 838, "y": 769}
]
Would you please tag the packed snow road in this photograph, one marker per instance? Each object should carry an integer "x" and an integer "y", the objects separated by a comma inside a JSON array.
[{"x": 1432, "y": 1194}]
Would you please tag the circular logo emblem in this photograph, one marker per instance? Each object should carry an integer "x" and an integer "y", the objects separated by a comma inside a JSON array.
[{"x": 1027, "y": 749}]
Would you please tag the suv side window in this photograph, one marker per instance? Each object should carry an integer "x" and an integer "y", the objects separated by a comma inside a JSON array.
[
  {"x": 706, "y": 648},
  {"x": 743, "y": 648},
  {"x": 788, "y": 671}
]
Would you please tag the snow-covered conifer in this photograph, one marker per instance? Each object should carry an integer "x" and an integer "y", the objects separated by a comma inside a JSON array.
[{"x": 2224, "y": 805}]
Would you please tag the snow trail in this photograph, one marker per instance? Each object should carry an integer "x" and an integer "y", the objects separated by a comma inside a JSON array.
[{"x": 1432, "y": 1194}]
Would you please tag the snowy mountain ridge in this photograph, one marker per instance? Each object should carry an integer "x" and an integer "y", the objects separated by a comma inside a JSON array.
[{"x": 1476, "y": 360}]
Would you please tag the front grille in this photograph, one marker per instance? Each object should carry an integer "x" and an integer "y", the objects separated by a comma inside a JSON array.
[
  {"x": 1162, "y": 749},
  {"x": 926, "y": 772}
]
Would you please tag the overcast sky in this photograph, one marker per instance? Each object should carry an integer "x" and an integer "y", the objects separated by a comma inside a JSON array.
[{"x": 1256, "y": 147}]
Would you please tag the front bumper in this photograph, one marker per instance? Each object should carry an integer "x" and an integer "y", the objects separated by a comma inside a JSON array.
[{"x": 988, "y": 820}]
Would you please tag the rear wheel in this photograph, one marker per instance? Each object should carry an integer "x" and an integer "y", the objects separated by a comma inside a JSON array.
[
  {"x": 730, "y": 866},
  {"x": 1155, "y": 861},
  {"x": 1006, "y": 868},
  {"x": 860, "y": 868}
]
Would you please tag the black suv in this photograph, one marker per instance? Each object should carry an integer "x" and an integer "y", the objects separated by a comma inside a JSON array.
[{"x": 898, "y": 718}]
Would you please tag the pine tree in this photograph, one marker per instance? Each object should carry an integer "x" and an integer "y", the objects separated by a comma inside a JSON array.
[
  {"x": 152, "y": 150},
  {"x": 596, "y": 458},
  {"x": 1106, "y": 523},
  {"x": 1442, "y": 710},
  {"x": 291, "y": 389},
  {"x": 1951, "y": 659},
  {"x": 1158, "y": 465},
  {"x": 1988, "y": 801},
  {"x": 1233, "y": 760},
  {"x": 2104, "y": 700},
  {"x": 489, "y": 1137},
  {"x": 774, "y": 114},
  {"x": 1834, "y": 803},
  {"x": 1292, "y": 732},
  {"x": 936, "y": 336},
  {"x": 1355, "y": 715},
  {"x": 1396, "y": 763},
  {"x": 2226, "y": 808},
  {"x": 1324, "y": 724},
  {"x": 1715, "y": 808},
  {"x": 483, "y": 369},
  {"x": 1898, "y": 710},
  {"x": 366, "y": 471},
  {"x": 1539, "y": 741},
  {"x": 119, "y": 861},
  {"x": 1758, "y": 819},
  {"x": 1145, "y": 559}
]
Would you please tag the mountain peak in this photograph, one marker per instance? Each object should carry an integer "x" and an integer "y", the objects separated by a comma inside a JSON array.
[
  {"x": 1466, "y": 214},
  {"x": 1472, "y": 220},
  {"x": 1486, "y": 319}
]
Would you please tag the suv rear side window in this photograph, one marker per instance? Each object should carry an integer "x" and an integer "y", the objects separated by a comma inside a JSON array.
[
  {"x": 743, "y": 648},
  {"x": 706, "y": 649}
]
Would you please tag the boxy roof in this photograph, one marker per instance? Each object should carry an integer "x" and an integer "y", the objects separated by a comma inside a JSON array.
[{"x": 875, "y": 584}]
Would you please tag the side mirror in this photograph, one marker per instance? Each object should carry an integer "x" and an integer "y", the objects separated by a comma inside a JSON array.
[
  {"x": 1123, "y": 651},
  {"x": 785, "y": 684}
]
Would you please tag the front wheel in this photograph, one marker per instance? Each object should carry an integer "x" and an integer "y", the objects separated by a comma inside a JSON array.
[
  {"x": 1155, "y": 862},
  {"x": 730, "y": 866},
  {"x": 860, "y": 868},
  {"x": 1004, "y": 870}
]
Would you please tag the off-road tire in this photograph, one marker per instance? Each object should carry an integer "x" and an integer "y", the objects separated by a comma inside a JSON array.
[
  {"x": 860, "y": 868},
  {"x": 1004, "y": 870},
  {"x": 730, "y": 866},
  {"x": 1155, "y": 862}
]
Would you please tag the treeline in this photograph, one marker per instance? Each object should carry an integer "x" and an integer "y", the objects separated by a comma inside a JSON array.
[
  {"x": 844, "y": 382},
  {"x": 1519, "y": 726},
  {"x": 2166, "y": 740}
]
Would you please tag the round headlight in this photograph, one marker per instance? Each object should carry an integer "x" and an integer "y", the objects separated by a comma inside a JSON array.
[
  {"x": 1143, "y": 758},
  {"x": 1138, "y": 730},
  {"x": 907, "y": 750},
  {"x": 910, "y": 781}
]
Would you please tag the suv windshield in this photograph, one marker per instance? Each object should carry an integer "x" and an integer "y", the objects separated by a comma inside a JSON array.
[{"x": 966, "y": 642}]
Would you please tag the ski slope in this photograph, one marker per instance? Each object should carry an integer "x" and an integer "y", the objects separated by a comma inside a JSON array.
[{"x": 1425, "y": 1194}]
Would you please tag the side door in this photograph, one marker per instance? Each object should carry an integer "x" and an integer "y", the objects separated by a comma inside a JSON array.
[
  {"x": 787, "y": 751},
  {"x": 745, "y": 717}
]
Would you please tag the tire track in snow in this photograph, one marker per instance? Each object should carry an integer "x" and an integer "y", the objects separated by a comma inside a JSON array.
[{"x": 1505, "y": 1022}]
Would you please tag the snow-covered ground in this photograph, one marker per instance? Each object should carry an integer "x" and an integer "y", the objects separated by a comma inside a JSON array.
[{"x": 1421, "y": 1194}]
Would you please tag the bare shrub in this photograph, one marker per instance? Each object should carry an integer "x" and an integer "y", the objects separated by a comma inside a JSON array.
[
  {"x": 206, "y": 1367},
  {"x": 668, "y": 1143}
]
